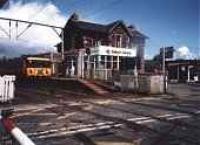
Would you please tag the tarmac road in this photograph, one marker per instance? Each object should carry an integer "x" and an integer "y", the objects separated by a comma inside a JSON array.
[{"x": 61, "y": 115}]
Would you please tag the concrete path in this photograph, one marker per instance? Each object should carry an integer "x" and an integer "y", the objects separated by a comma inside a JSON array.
[{"x": 97, "y": 89}]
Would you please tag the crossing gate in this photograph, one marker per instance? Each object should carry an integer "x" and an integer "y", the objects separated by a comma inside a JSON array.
[
  {"x": 7, "y": 88},
  {"x": 10, "y": 134}
]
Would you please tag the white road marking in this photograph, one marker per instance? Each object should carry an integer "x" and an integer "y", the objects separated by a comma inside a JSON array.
[
  {"x": 102, "y": 125},
  {"x": 32, "y": 111},
  {"x": 66, "y": 115}
]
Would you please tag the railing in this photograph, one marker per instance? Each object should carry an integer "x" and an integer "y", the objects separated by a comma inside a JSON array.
[{"x": 7, "y": 88}]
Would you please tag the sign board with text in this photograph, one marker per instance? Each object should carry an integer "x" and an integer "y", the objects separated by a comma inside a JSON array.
[{"x": 113, "y": 51}]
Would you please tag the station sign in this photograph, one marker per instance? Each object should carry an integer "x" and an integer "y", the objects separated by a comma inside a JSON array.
[{"x": 113, "y": 51}]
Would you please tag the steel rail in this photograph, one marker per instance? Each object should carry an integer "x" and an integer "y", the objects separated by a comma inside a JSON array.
[
  {"x": 135, "y": 126},
  {"x": 161, "y": 119}
]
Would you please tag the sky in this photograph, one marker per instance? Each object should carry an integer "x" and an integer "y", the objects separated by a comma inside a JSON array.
[{"x": 166, "y": 22}]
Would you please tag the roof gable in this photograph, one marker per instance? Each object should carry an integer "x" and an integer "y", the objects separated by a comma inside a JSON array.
[{"x": 115, "y": 24}]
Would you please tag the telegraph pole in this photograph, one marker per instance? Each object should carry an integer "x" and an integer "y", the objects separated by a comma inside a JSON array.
[{"x": 164, "y": 70}]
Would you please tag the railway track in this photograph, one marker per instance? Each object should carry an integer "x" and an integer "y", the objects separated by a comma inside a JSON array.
[{"x": 139, "y": 123}]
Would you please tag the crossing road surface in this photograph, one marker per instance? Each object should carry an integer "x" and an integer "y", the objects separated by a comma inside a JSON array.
[{"x": 56, "y": 115}]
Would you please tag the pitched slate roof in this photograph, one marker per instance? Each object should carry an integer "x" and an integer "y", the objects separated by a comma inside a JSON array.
[
  {"x": 91, "y": 26},
  {"x": 99, "y": 27},
  {"x": 102, "y": 28}
]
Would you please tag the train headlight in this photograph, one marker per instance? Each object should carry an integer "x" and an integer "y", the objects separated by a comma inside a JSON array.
[
  {"x": 30, "y": 71},
  {"x": 47, "y": 72}
]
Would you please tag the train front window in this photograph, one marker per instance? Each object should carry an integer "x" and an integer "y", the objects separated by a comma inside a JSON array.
[{"x": 38, "y": 64}]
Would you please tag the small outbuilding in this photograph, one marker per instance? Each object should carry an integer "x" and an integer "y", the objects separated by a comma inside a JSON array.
[{"x": 183, "y": 70}]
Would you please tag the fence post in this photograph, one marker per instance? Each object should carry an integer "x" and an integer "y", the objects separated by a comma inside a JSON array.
[
  {"x": 7, "y": 88},
  {"x": 1, "y": 88}
]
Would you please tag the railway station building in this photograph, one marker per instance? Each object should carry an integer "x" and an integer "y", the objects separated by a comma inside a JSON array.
[{"x": 99, "y": 51}]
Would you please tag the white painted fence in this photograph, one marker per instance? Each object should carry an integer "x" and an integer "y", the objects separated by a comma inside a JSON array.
[{"x": 7, "y": 88}]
